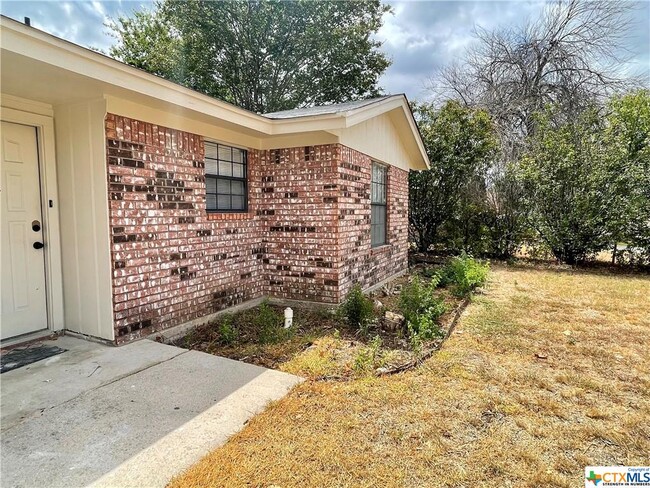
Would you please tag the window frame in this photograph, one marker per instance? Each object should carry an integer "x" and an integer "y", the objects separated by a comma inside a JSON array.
[
  {"x": 217, "y": 177},
  {"x": 374, "y": 204}
]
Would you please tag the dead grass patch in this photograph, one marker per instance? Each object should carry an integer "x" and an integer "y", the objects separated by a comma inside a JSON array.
[{"x": 547, "y": 372}]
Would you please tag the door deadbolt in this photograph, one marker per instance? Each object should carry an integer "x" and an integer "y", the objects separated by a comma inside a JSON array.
[{"x": 36, "y": 226}]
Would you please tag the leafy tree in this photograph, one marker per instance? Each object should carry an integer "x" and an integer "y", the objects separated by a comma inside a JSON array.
[
  {"x": 491, "y": 218},
  {"x": 466, "y": 229},
  {"x": 628, "y": 140},
  {"x": 146, "y": 41},
  {"x": 460, "y": 143},
  {"x": 507, "y": 215},
  {"x": 565, "y": 179},
  {"x": 262, "y": 55}
]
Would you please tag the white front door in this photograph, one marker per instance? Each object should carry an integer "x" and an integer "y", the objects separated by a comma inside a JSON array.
[{"x": 23, "y": 306}]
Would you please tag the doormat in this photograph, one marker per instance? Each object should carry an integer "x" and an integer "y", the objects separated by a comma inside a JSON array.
[{"x": 17, "y": 358}]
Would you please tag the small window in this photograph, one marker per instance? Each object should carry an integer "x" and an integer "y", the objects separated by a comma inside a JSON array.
[
  {"x": 378, "y": 205},
  {"x": 225, "y": 178}
]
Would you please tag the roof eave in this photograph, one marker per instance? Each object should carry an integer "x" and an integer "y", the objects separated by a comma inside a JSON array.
[
  {"x": 46, "y": 48},
  {"x": 31, "y": 42}
]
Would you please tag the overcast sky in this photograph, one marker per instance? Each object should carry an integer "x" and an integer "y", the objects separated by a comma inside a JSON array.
[{"x": 419, "y": 36}]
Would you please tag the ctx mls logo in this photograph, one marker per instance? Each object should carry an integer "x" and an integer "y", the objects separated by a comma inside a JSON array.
[
  {"x": 619, "y": 476},
  {"x": 594, "y": 478}
]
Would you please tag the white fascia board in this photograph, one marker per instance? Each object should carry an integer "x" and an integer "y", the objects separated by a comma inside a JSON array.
[
  {"x": 305, "y": 124},
  {"x": 361, "y": 114},
  {"x": 43, "y": 47}
]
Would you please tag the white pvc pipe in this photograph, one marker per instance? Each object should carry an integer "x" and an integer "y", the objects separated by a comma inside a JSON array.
[{"x": 288, "y": 317}]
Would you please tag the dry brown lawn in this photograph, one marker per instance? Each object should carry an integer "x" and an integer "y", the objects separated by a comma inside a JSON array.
[{"x": 547, "y": 372}]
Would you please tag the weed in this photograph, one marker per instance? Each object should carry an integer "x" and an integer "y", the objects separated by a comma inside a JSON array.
[
  {"x": 415, "y": 342},
  {"x": 227, "y": 332},
  {"x": 425, "y": 325},
  {"x": 269, "y": 323},
  {"x": 368, "y": 357},
  {"x": 465, "y": 274},
  {"x": 357, "y": 309},
  {"x": 417, "y": 298},
  {"x": 421, "y": 309},
  {"x": 431, "y": 273}
]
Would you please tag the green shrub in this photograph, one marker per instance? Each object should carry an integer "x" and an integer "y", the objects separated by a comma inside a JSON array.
[
  {"x": 465, "y": 274},
  {"x": 421, "y": 309},
  {"x": 270, "y": 324},
  {"x": 417, "y": 299},
  {"x": 431, "y": 272},
  {"x": 227, "y": 332},
  {"x": 425, "y": 325},
  {"x": 357, "y": 309}
]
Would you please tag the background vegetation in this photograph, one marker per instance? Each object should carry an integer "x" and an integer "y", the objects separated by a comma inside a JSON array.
[
  {"x": 261, "y": 55},
  {"x": 538, "y": 137}
]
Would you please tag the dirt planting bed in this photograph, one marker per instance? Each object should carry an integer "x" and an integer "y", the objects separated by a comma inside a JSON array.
[{"x": 321, "y": 344}]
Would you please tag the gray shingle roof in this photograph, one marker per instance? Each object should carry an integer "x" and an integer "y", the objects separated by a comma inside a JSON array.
[{"x": 325, "y": 109}]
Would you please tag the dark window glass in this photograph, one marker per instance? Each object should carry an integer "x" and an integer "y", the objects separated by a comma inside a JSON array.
[
  {"x": 225, "y": 178},
  {"x": 378, "y": 185}
]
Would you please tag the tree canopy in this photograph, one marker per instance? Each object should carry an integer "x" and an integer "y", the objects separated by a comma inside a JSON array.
[
  {"x": 571, "y": 56},
  {"x": 627, "y": 136},
  {"x": 460, "y": 143},
  {"x": 262, "y": 55},
  {"x": 570, "y": 175}
]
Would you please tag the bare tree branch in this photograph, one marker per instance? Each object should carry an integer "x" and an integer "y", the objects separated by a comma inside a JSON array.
[{"x": 571, "y": 56}]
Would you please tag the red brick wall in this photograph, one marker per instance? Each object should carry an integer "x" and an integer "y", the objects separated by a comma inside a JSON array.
[
  {"x": 299, "y": 223},
  {"x": 172, "y": 261},
  {"x": 360, "y": 263},
  {"x": 305, "y": 236}
]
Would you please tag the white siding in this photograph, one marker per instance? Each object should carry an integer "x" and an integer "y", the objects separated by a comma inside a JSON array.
[
  {"x": 83, "y": 208},
  {"x": 379, "y": 139}
]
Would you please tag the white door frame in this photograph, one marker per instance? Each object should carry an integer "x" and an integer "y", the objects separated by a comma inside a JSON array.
[{"x": 44, "y": 124}]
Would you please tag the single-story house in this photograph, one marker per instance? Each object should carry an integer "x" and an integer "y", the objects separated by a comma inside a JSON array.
[{"x": 131, "y": 204}]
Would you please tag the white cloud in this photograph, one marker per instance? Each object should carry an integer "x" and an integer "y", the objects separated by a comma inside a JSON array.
[{"x": 99, "y": 8}]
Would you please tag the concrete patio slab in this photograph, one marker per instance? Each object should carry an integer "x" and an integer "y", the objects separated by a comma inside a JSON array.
[
  {"x": 140, "y": 428},
  {"x": 85, "y": 366}
]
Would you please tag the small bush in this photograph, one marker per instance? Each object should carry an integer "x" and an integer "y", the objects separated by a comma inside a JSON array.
[
  {"x": 417, "y": 299},
  {"x": 421, "y": 309},
  {"x": 431, "y": 273},
  {"x": 465, "y": 274},
  {"x": 357, "y": 309},
  {"x": 270, "y": 324},
  {"x": 425, "y": 326},
  {"x": 227, "y": 332}
]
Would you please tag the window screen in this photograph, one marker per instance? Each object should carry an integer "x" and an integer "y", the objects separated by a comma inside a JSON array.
[
  {"x": 225, "y": 178},
  {"x": 378, "y": 205}
]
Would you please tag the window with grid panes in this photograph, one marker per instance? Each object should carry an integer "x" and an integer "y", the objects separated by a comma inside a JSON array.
[
  {"x": 225, "y": 178},
  {"x": 378, "y": 205}
]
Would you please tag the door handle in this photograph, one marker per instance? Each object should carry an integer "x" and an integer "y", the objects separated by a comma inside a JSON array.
[{"x": 38, "y": 245}]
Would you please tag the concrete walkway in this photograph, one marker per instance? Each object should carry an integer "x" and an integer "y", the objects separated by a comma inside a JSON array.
[{"x": 130, "y": 416}]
